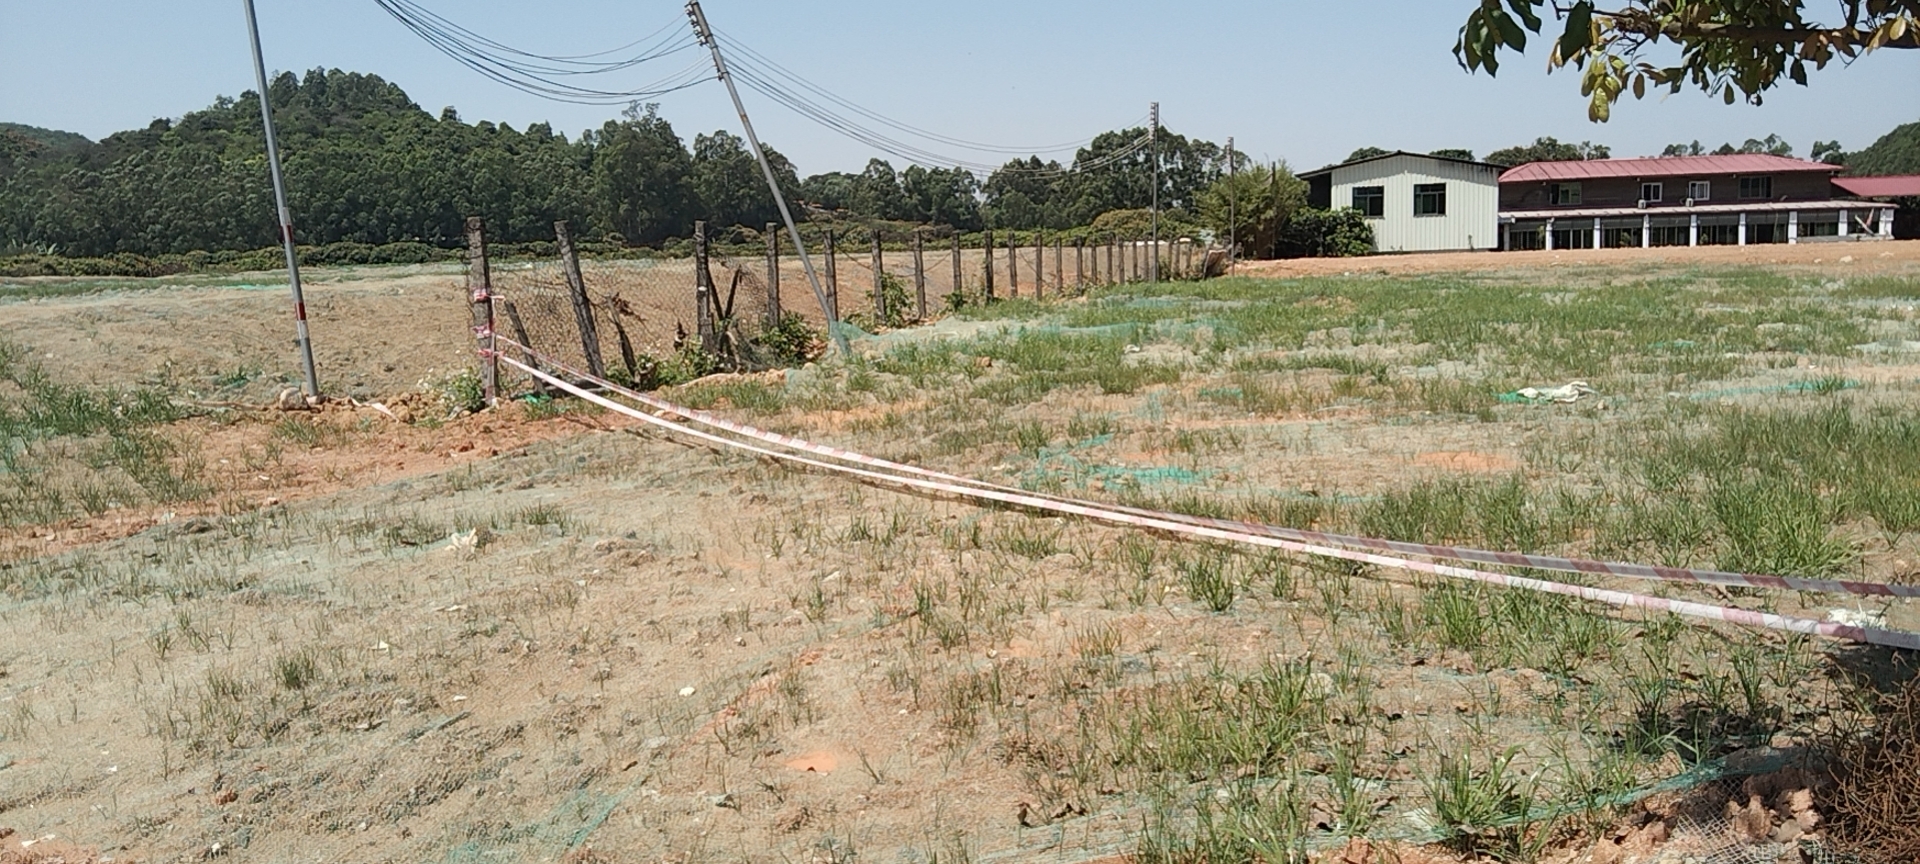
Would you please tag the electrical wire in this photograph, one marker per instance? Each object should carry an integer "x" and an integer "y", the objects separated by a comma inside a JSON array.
[
  {"x": 545, "y": 75},
  {"x": 754, "y": 77},
  {"x": 540, "y": 74},
  {"x": 769, "y": 66}
]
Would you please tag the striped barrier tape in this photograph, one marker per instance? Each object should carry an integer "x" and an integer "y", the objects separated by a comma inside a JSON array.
[
  {"x": 1452, "y": 553},
  {"x": 1086, "y": 510}
]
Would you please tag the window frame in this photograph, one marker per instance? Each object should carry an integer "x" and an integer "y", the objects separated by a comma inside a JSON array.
[
  {"x": 1704, "y": 187},
  {"x": 1762, "y": 179},
  {"x": 1376, "y": 198},
  {"x": 1437, "y": 191},
  {"x": 1659, "y": 191},
  {"x": 1558, "y": 193}
]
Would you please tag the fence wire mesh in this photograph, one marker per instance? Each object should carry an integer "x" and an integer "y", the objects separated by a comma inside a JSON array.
[
  {"x": 640, "y": 312},
  {"x": 637, "y": 312}
]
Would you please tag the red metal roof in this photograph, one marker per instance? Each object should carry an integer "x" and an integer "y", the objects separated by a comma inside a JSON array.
[
  {"x": 1894, "y": 186},
  {"x": 1671, "y": 166}
]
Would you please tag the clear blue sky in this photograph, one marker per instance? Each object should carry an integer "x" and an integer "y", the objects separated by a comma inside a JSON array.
[{"x": 1302, "y": 81}]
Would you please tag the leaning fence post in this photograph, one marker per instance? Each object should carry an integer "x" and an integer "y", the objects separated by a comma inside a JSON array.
[
  {"x": 879, "y": 281},
  {"x": 480, "y": 299},
  {"x": 526, "y": 344},
  {"x": 582, "y": 307},
  {"x": 703, "y": 291},
  {"x": 773, "y": 274},
  {"x": 833, "y": 281},
  {"x": 988, "y": 298},
  {"x": 919, "y": 276}
]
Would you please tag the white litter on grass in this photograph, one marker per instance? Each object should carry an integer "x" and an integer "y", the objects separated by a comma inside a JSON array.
[
  {"x": 464, "y": 541},
  {"x": 1857, "y": 618},
  {"x": 687, "y": 691},
  {"x": 1570, "y": 392}
]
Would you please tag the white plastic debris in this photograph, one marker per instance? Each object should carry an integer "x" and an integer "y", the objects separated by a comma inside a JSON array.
[
  {"x": 1857, "y": 618},
  {"x": 1569, "y": 392}
]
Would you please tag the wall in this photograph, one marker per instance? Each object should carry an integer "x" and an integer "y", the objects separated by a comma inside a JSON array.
[{"x": 1472, "y": 217}]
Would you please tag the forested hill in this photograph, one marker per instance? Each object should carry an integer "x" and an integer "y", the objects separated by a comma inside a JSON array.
[
  {"x": 1897, "y": 152},
  {"x": 366, "y": 164}
]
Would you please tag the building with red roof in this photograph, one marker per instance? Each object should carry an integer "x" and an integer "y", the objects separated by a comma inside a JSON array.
[{"x": 1734, "y": 199}]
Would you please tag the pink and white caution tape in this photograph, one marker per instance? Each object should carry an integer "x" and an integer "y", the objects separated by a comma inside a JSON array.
[
  {"x": 1429, "y": 550},
  {"x": 1872, "y": 635}
]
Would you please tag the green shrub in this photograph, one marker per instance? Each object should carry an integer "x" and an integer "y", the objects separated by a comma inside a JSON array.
[
  {"x": 1312, "y": 233},
  {"x": 790, "y": 343}
]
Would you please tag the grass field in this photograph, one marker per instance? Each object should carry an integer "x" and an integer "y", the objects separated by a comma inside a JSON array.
[{"x": 617, "y": 647}]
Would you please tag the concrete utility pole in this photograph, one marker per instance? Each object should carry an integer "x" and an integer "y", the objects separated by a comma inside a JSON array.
[
  {"x": 1233, "y": 195},
  {"x": 286, "y": 216},
  {"x": 1153, "y": 144},
  {"x": 705, "y": 34}
]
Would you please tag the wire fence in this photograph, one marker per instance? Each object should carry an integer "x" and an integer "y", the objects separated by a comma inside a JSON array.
[{"x": 630, "y": 319}]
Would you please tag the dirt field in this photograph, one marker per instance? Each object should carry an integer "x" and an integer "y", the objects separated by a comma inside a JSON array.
[{"x": 537, "y": 633}]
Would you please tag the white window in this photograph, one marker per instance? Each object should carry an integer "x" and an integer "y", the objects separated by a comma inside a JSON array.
[{"x": 1700, "y": 190}]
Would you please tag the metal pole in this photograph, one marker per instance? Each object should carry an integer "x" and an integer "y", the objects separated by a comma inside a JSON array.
[
  {"x": 286, "y": 216},
  {"x": 1153, "y": 143},
  {"x": 1233, "y": 195},
  {"x": 706, "y": 37}
]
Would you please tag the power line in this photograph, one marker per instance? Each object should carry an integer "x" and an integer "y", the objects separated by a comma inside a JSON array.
[
  {"x": 547, "y": 76},
  {"x": 540, "y": 74},
  {"x": 754, "y": 77},
  {"x": 773, "y": 67}
]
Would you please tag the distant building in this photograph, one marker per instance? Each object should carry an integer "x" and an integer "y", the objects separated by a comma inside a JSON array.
[
  {"x": 1906, "y": 220},
  {"x": 1736, "y": 199},
  {"x": 1415, "y": 202}
]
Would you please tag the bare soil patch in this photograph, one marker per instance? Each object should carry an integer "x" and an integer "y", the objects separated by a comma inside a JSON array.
[{"x": 530, "y": 636}]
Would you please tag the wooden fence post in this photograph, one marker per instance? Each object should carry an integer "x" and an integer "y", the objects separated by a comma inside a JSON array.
[
  {"x": 959, "y": 283},
  {"x": 1013, "y": 265},
  {"x": 703, "y": 291},
  {"x": 773, "y": 274},
  {"x": 526, "y": 344},
  {"x": 582, "y": 306},
  {"x": 480, "y": 300},
  {"x": 1039, "y": 265},
  {"x": 1080, "y": 262},
  {"x": 988, "y": 297},
  {"x": 1110, "y": 254},
  {"x": 1059, "y": 267},
  {"x": 833, "y": 281},
  {"x": 879, "y": 281},
  {"x": 919, "y": 276}
]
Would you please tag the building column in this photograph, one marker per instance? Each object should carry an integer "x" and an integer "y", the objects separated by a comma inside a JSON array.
[
  {"x": 1793, "y": 226},
  {"x": 1886, "y": 223},
  {"x": 1743, "y": 229},
  {"x": 1846, "y": 220},
  {"x": 1596, "y": 233},
  {"x": 1646, "y": 230},
  {"x": 1506, "y": 237},
  {"x": 1693, "y": 229},
  {"x": 1549, "y": 235}
]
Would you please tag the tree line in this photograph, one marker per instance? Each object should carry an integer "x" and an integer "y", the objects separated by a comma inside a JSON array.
[{"x": 367, "y": 165}]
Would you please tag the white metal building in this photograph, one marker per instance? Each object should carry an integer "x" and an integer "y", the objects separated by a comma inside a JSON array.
[{"x": 1415, "y": 202}]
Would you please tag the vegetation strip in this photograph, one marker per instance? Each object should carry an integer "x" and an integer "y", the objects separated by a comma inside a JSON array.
[{"x": 1870, "y": 635}]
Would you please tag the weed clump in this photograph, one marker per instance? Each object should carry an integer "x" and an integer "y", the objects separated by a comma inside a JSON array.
[{"x": 1876, "y": 779}]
